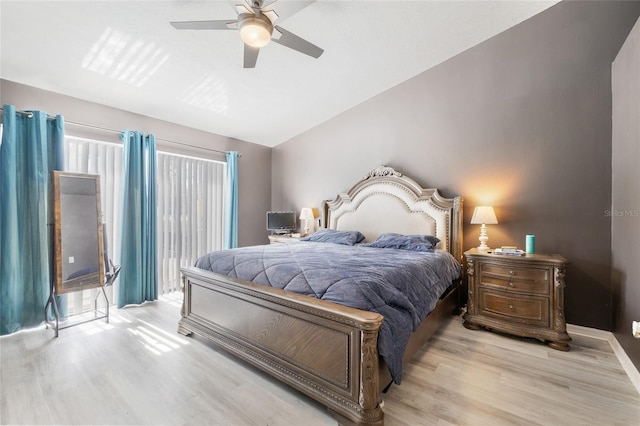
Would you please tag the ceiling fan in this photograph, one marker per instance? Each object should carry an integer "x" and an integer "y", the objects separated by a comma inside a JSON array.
[{"x": 256, "y": 22}]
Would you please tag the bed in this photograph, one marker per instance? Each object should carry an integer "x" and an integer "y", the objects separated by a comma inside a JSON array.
[{"x": 327, "y": 350}]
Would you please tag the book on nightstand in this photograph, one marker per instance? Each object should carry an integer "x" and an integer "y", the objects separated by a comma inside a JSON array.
[{"x": 509, "y": 250}]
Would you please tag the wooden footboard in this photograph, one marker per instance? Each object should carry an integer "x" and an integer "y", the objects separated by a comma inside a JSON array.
[{"x": 324, "y": 350}]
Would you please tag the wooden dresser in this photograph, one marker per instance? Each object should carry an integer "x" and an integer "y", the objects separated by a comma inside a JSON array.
[{"x": 520, "y": 295}]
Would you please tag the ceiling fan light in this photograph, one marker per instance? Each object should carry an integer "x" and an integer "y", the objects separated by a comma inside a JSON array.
[{"x": 255, "y": 32}]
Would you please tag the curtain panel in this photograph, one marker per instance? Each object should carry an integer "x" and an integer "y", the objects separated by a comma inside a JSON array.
[
  {"x": 31, "y": 149},
  {"x": 231, "y": 204},
  {"x": 138, "y": 252}
]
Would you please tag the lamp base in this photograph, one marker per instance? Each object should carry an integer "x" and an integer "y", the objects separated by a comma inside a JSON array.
[
  {"x": 483, "y": 238},
  {"x": 306, "y": 227}
]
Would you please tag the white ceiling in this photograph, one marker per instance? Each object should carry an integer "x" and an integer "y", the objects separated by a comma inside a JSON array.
[{"x": 126, "y": 55}]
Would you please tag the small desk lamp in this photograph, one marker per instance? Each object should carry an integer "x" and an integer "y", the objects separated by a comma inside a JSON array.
[
  {"x": 486, "y": 216},
  {"x": 306, "y": 214}
]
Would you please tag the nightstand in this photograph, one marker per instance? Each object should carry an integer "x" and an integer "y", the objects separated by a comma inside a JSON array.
[
  {"x": 519, "y": 295},
  {"x": 278, "y": 239}
]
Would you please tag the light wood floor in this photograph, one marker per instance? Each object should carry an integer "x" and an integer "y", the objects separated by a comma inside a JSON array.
[{"x": 138, "y": 370}]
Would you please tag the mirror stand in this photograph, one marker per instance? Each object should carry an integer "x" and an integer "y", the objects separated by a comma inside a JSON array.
[
  {"x": 78, "y": 246},
  {"x": 52, "y": 308}
]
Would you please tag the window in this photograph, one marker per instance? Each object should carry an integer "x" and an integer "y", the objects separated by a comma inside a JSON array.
[{"x": 190, "y": 202}]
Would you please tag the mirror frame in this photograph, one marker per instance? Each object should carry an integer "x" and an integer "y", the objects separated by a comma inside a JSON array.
[{"x": 84, "y": 282}]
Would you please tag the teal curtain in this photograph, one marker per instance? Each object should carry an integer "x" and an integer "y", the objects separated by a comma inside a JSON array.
[
  {"x": 231, "y": 204},
  {"x": 32, "y": 147},
  {"x": 138, "y": 251}
]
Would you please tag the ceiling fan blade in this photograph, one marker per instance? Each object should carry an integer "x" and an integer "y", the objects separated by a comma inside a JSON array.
[
  {"x": 294, "y": 42},
  {"x": 250, "y": 56},
  {"x": 229, "y": 24},
  {"x": 271, "y": 14},
  {"x": 287, "y": 8},
  {"x": 267, "y": 3},
  {"x": 243, "y": 8}
]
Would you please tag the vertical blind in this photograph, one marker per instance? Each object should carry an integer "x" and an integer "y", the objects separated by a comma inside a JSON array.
[
  {"x": 190, "y": 206},
  {"x": 190, "y": 202},
  {"x": 105, "y": 160}
]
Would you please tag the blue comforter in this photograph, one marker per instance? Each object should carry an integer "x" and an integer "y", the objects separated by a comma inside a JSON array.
[{"x": 403, "y": 286}]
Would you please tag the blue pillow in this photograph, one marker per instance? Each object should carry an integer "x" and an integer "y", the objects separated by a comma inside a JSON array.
[
  {"x": 324, "y": 235},
  {"x": 405, "y": 242}
]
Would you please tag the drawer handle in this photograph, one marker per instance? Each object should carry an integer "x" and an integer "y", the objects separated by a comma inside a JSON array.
[
  {"x": 511, "y": 273},
  {"x": 510, "y": 284},
  {"x": 510, "y": 306}
]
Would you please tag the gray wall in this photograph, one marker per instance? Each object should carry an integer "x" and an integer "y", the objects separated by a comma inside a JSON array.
[
  {"x": 521, "y": 121},
  {"x": 625, "y": 209},
  {"x": 254, "y": 168}
]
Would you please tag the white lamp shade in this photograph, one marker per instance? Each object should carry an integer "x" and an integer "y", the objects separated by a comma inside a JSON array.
[
  {"x": 306, "y": 213},
  {"x": 484, "y": 215}
]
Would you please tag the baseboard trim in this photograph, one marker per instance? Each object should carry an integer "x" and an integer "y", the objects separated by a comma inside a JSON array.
[{"x": 625, "y": 361}]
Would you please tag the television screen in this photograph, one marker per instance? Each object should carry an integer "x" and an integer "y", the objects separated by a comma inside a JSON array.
[{"x": 281, "y": 222}]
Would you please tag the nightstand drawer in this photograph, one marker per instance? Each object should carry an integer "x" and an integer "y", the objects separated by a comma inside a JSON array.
[
  {"x": 529, "y": 280},
  {"x": 529, "y": 310}
]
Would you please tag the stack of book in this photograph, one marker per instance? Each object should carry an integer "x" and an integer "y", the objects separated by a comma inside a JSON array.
[{"x": 509, "y": 250}]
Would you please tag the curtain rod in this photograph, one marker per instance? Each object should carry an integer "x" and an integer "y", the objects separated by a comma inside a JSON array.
[{"x": 51, "y": 117}]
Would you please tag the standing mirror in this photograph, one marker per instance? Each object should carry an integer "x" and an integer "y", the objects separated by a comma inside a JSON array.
[{"x": 79, "y": 260}]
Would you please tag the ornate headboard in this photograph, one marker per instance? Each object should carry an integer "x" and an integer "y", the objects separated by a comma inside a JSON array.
[{"x": 387, "y": 201}]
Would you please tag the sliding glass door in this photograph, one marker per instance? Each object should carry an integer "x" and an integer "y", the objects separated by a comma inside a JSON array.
[{"x": 190, "y": 200}]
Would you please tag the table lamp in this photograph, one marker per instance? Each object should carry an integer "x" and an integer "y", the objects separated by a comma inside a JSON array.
[
  {"x": 486, "y": 216},
  {"x": 306, "y": 215}
]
